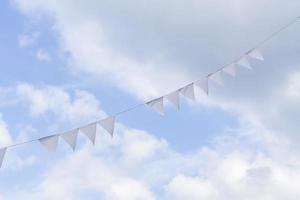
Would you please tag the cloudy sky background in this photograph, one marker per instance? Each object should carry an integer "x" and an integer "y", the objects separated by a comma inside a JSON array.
[{"x": 64, "y": 64}]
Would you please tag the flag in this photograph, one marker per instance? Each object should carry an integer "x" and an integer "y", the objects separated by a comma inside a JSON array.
[
  {"x": 174, "y": 98},
  {"x": 157, "y": 105},
  {"x": 71, "y": 138},
  {"x": 49, "y": 142},
  {"x": 90, "y": 132},
  {"x": 108, "y": 124}
]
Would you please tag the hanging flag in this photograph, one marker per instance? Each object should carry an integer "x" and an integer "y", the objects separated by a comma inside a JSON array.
[
  {"x": 188, "y": 91},
  {"x": 108, "y": 124},
  {"x": 256, "y": 54},
  {"x": 217, "y": 77},
  {"x": 2, "y": 154},
  {"x": 230, "y": 69},
  {"x": 157, "y": 105},
  {"x": 174, "y": 98},
  {"x": 90, "y": 131},
  {"x": 71, "y": 138},
  {"x": 202, "y": 84},
  {"x": 50, "y": 142},
  {"x": 244, "y": 62}
]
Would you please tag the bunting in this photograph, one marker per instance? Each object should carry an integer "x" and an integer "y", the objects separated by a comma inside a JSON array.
[
  {"x": 188, "y": 91},
  {"x": 174, "y": 98},
  {"x": 157, "y": 105},
  {"x": 90, "y": 132},
  {"x": 71, "y": 138},
  {"x": 230, "y": 69},
  {"x": 108, "y": 124},
  {"x": 2, "y": 155},
  {"x": 244, "y": 62},
  {"x": 50, "y": 142},
  {"x": 202, "y": 84}
]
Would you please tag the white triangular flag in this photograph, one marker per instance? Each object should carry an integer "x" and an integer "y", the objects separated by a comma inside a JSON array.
[
  {"x": 90, "y": 131},
  {"x": 217, "y": 77},
  {"x": 203, "y": 84},
  {"x": 2, "y": 154},
  {"x": 188, "y": 91},
  {"x": 157, "y": 105},
  {"x": 174, "y": 98},
  {"x": 255, "y": 53},
  {"x": 49, "y": 142},
  {"x": 244, "y": 62},
  {"x": 71, "y": 138},
  {"x": 230, "y": 69},
  {"x": 108, "y": 124}
]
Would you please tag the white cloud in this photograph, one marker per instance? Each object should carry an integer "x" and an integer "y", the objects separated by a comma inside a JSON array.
[
  {"x": 50, "y": 99},
  {"x": 26, "y": 40},
  {"x": 43, "y": 55}
]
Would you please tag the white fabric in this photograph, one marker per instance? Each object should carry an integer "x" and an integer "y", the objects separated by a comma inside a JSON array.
[
  {"x": 230, "y": 69},
  {"x": 49, "y": 142},
  {"x": 188, "y": 91},
  {"x": 71, "y": 138},
  {"x": 256, "y": 54},
  {"x": 244, "y": 62},
  {"x": 202, "y": 84},
  {"x": 157, "y": 105},
  {"x": 90, "y": 132},
  {"x": 108, "y": 124},
  {"x": 217, "y": 77},
  {"x": 174, "y": 98},
  {"x": 2, "y": 154}
]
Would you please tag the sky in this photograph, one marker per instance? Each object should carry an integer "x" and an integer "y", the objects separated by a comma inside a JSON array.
[{"x": 65, "y": 64}]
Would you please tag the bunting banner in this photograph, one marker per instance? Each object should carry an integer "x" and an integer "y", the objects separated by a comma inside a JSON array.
[
  {"x": 108, "y": 124},
  {"x": 71, "y": 138},
  {"x": 90, "y": 132},
  {"x": 2, "y": 155},
  {"x": 50, "y": 142},
  {"x": 157, "y": 105},
  {"x": 174, "y": 98}
]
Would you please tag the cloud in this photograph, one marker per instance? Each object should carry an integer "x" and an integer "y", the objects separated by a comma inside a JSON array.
[
  {"x": 43, "y": 55},
  {"x": 30, "y": 39},
  {"x": 5, "y": 137},
  {"x": 50, "y": 99}
]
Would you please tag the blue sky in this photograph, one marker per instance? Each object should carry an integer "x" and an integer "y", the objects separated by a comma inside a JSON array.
[{"x": 66, "y": 64}]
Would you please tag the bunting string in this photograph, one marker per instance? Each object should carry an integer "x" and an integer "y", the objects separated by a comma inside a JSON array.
[{"x": 50, "y": 142}]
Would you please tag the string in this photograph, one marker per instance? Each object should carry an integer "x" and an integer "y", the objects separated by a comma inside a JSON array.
[{"x": 270, "y": 37}]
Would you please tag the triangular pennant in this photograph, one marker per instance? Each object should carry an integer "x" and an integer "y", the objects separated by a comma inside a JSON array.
[
  {"x": 188, "y": 91},
  {"x": 230, "y": 69},
  {"x": 2, "y": 154},
  {"x": 217, "y": 77},
  {"x": 71, "y": 138},
  {"x": 108, "y": 124},
  {"x": 157, "y": 105},
  {"x": 49, "y": 142},
  {"x": 90, "y": 131},
  {"x": 174, "y": 98},
  {"x": 244, "y": 62},
  {"x": 256, "y": 54},
  {"x": 203, "y": 84}
]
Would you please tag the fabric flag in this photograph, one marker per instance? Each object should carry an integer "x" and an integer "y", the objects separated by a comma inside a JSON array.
[
  {"x": 255, "y": 53},
  {"x": 244, "y": 62},
  {"x": 157, "y": 105},
  {"x": 230, "y": 69},
  {"x": 188, "y": 91},
  {"x": 202, "y": 84},
  {"x": 217, "y": 77},
  {"x": 71, "y": 138},
  {"x": 108, "y": 124},
  {"x": 174, "y": 98},
  {"x": 90, "y": 131},
  {"x": 49, "y": 142},
  {"x": 2, "y": 154}
]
